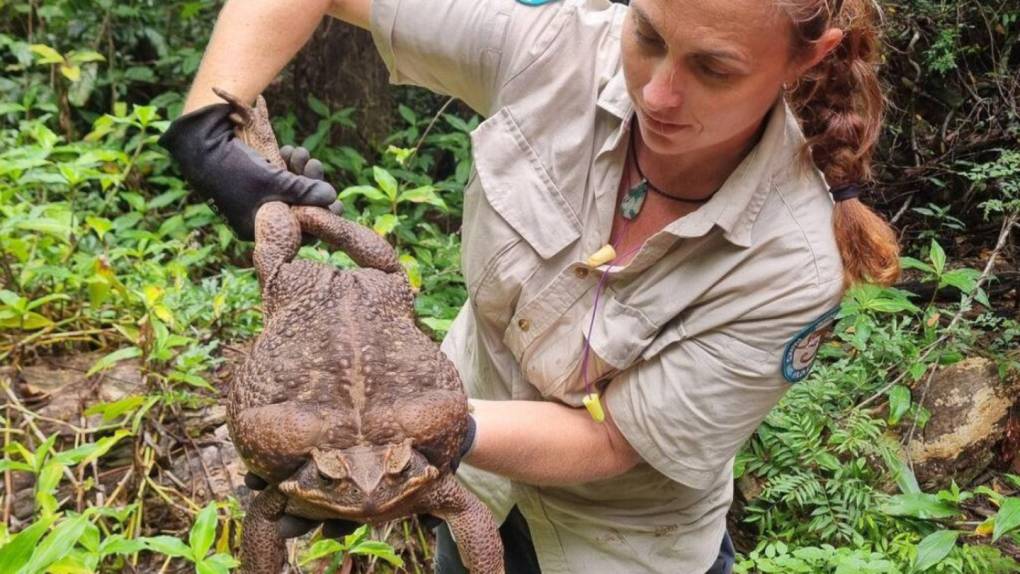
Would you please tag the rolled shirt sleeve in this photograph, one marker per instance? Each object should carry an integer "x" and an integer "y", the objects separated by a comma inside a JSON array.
[
  {"x": 463, "y": 48},
  {"x": 688, "y": 409}
]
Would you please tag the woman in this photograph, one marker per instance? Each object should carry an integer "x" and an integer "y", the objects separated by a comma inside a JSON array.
[{"x": 643, "y": 233}]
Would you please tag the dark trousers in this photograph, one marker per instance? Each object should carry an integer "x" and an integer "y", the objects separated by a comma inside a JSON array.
[{"x": 519, "y": 553}]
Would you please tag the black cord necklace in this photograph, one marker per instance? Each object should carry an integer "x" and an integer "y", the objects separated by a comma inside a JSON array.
[{"x": 635, "y": 198}]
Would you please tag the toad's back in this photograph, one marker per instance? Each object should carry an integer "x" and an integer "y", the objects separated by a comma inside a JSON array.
[{"x": 347, "y": 343}]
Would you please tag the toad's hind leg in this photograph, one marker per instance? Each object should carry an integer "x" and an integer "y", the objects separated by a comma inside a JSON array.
[
  {"x": 277, "y": 240},
  {"x": 363, "y": 245},
  {"x": 472, "y": 525},
  {"x": 263, "y": 550}
]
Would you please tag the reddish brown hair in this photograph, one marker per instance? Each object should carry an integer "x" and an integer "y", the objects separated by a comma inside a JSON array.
[{"x": 839, "y": 103}]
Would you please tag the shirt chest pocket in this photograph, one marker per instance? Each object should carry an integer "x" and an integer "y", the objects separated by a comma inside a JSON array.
[{"x": 515, "y": 218}]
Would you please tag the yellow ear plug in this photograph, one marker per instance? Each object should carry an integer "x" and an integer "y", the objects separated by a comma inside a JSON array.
[
  {"x": 605, "y": 254},
  {"x": 594, "y": 405}
]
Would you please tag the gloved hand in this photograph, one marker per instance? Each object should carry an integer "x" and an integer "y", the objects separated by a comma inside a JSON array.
[{"x": 234, "y": 176}]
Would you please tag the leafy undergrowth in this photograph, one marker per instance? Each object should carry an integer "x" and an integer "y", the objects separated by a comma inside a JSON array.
[{"x": 104, "y": 254}]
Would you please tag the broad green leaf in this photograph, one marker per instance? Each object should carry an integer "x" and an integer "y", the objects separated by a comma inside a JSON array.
[
  {"x": 934, "y": 548},
  {"x": 413, "y": 269},
  {"x": 378, "y": 549},
  {"x": 117, "y": 544},
  {"x": 1008, "y": 517},
  {"x": 111, "y": 359},
  {"x": 17, "y": 552},
  {"x": 963, "y": 279},
  {"x": 59, "y": 229},
  {"x": 111, "y": 411},
  {"x": 28, "y": 322},
  {"x": 899, "y": 403},
  {"x": 938, "y": 257},
  {"x": 72, "y": 73},
  {"x": 387, "y": 183},
  {"x": 385, "y": 223},
  {"x": 46, "y": 54},
  {"x": 203, "y": 531},
  {"x": 440, "y": 326},
  {"x": 321, "y": 548},
  {"x": 56, "y": 545},
  {"x": 423, "y": 194},
  {"x": 145, "y": 114},
  {"x": 87, "y": 453},
  {"x": 168, "y": 546},
  {"x": 368, "y": 191},
  {"x": 919, "y": 505},
  {"x": 317, "y": 106},
  {"x": 191, "y": 379},
  {"x": 83, "y": 56},
  {"x": 99, "y": 224}
]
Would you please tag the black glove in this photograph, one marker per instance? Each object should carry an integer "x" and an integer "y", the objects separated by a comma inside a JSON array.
[{"x": 234, "y": 176}]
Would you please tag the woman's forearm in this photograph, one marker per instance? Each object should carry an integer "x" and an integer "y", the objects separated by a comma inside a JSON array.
[
  {"x": 547, "y": 443},
  {"x": 254, "y": 39}
]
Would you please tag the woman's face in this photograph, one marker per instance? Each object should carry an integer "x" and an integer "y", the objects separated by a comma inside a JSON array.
[{"x": 703, "y": 73}]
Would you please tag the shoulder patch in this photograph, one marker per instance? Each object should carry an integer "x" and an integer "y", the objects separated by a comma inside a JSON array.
[
  {"x": 800, "y": 352},
  {"x": 535, "y": 2}
]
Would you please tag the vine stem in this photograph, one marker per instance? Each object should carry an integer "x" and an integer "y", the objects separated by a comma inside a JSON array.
[{"x": 965, "y": 304}]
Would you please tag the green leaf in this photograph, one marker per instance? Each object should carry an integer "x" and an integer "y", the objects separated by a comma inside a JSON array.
[
  {"x": 387, "y": 183},
  {"x": 317, "y": 106},
  {"x": 919, "y": 505},
  {"x": 191, "y": 379},
  {"x": 911, "y": 263},
  {"x": 934, "y": 548},
  {"x": 378, "y": 549},
  {"x": 938, "y": 257},
  {"x": 423, "y": 194},
  {"x": 169, "y": 546},
  {"x": 111, "y": 359},
  {"x": 83, "y": 56},
  {"x": 1008, "y": 517},
  {"x": 99, "y": 224},
  {"x": 117, "y": 544},
  {"x": 963, "y": 279},
  {"x": 87, "y": 453},
  {"x": 385, "y": 223},
  {"x": 413, "y": 269},
  {"x": 56, "y": 545},
  {"x": 46, "y": 54},
  {"x": 368, "y": 191},
  {"x": 72, "y": 73},
  {"x": 322, "y": 548},
  {"x": 17, "y": 552},
  {"x": 899, "y": 403},
  {"x": 27, "y": 322},
  {"x": 203, "y": 531},
  {"x": 115, "y": 409}
]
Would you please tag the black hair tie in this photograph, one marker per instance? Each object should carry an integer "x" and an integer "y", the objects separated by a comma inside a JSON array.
[{"x": 845, "y": 192}]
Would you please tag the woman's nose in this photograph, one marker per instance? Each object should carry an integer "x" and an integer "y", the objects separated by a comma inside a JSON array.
[{"x": 663, "y": 92}]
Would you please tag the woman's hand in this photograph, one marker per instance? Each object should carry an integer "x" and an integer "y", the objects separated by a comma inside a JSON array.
[{"x": 222, "y": 168}]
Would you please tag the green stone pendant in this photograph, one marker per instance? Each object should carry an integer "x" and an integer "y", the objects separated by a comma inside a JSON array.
[{"x": 631, "y": 204}]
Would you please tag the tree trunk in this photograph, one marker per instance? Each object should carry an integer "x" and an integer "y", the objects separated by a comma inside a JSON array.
[{"x": 341, "y": 67}]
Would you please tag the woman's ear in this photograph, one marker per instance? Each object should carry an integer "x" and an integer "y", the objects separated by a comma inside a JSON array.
[{"x": 815, "y": 54}]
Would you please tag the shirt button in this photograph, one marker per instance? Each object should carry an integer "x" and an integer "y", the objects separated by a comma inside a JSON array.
[
  {"x": 524, "y": 324},
  {"x": 581, "y": 272}
]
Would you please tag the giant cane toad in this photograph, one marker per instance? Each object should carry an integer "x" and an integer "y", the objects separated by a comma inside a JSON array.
[{"x": 344, "y": 406}]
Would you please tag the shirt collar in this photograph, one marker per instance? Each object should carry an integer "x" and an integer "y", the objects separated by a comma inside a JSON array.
[{"x": 735, "y": 207}]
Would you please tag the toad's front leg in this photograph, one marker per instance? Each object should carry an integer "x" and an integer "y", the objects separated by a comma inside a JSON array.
[
  {"x": 472, "y": 525},
  {"x": 263, "y": 550}
]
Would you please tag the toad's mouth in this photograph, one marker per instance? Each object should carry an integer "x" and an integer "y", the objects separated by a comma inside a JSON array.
[{"x": 367, "y": 510}]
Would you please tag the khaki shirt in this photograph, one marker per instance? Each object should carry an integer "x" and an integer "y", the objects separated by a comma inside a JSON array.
[{"x": 689, "y": 336}]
